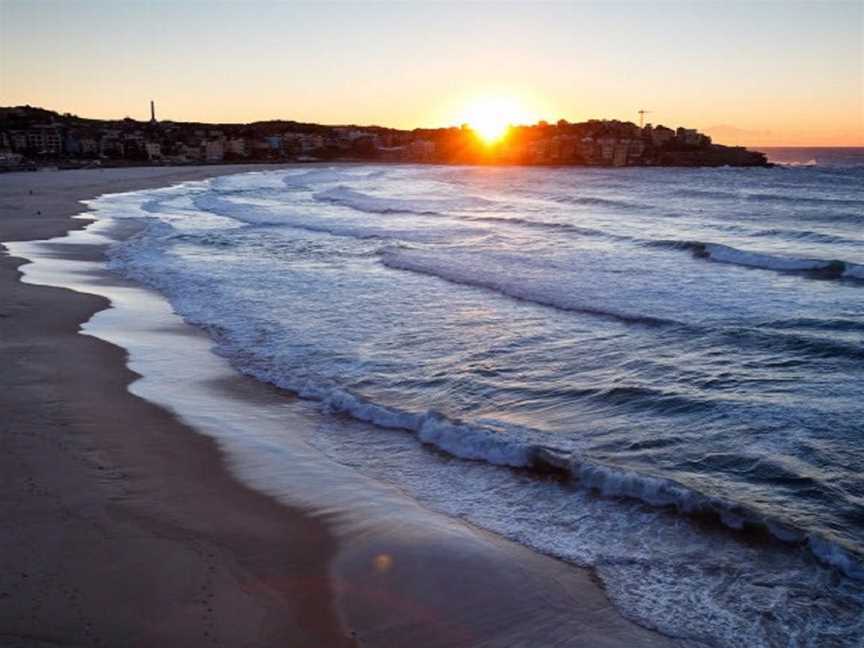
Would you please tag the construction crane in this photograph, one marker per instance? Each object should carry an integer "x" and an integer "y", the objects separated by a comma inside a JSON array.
[{"x": 642, "y": 114}]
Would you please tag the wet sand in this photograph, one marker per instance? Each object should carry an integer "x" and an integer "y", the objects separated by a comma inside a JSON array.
[{"x": 123, "y": 526}]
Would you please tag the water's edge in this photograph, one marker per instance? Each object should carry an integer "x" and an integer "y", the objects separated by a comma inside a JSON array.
[{"x": 210, "y": 396}]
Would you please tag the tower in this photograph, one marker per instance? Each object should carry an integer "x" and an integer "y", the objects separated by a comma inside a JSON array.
[
  {"x": 642, "y": 114},
  {"x": 152, "y": 112}
]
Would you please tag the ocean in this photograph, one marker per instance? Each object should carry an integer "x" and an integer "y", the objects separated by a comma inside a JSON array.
[{"x": 656, "y": 373}]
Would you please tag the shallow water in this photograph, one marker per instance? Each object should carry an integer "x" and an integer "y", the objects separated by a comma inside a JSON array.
[{"x": 679, "y": 341}]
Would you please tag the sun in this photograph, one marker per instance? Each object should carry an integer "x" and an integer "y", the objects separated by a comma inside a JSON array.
[{"x": 491, "y": 117}]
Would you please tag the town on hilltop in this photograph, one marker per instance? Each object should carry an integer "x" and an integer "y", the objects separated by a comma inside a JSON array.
[{"x": 34, "y": 137}]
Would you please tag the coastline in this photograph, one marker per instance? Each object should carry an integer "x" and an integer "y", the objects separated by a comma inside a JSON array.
[
  {"x": 160, "y": 543},
  {"x": 116, "y": 538}
]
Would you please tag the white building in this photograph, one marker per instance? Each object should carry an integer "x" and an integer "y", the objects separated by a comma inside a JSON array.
[{"x": 153, "y": 150}]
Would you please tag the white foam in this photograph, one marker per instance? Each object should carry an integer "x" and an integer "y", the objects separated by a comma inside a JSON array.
[
  {"x": 458, "y": 439},
  {"x": 726, "y": 254},
  {"x": 659, "y": 568}
]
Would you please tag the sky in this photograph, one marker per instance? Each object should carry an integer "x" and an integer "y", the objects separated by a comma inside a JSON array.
[{"x": 752, "y": 73}]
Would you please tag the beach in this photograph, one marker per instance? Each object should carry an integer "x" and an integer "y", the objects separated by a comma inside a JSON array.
[{"x": 124, "y": 526}]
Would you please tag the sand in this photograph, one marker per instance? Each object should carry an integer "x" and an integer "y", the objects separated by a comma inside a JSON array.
[{"x": 123, "y": 527}]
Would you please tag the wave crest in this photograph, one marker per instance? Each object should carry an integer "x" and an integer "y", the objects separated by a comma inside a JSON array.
[
  {"x": 347, "y": 197},
  {"x": 821, "y": 268}
]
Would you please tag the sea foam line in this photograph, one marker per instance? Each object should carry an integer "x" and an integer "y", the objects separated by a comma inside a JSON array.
[{"x": 477, "y": 443}]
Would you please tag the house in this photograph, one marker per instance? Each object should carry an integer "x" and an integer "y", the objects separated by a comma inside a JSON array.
[
  {"x": 153, "y": 150},
  {"x": 237, "y": 146},
  {"x": 214, "y": 150},
  {"x": 689, "y": 137},
  {"x": 660, "y": 136},
  {"x": 422, "y": 150},
  {"x": 45, "y": 140}
]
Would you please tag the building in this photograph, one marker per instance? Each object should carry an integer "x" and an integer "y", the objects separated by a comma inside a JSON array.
[
  {"x": 274, "y": 142},
  {"x": 89, "y": 145},
  {"x": 18, "y": 139},
  {"x": 9, "y": 160},
  {"x": 188, "y": 152},
  {"x": 606, "y": 149},
  {"x": 691, "y": 137},
  {"x": 393, "y": 153},
  {"x": 111, "y": 144},
  {"x": 44, "y": 140},
  {"x": 311, "y": 142},
  {"x": 421, "y": 150},
  {"x": 214, "y": 150},
  {"x": 620, "y": 151},
  {"x": 237, "y": 146},
  {"x": 635, "y": 152},
  {"x": 660, "y": 136},
  {"x": 153, "y": 150}
]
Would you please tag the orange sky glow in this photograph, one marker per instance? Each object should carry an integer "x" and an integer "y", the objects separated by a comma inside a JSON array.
[{"x": 751, "y": 73}]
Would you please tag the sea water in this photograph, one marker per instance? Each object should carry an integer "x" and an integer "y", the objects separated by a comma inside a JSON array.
[{"x": 657, "y": 373}]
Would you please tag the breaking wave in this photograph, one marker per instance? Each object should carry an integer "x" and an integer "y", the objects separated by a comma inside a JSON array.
[
  {"x": 736, "y": 408},
  {"x": 595, "y": 201},
  {"x": 821, "y": 268},
  {"x": 511, "y": 449},
  {"x": 657, "y": 491},
  {"x": 806, "y": 235}
]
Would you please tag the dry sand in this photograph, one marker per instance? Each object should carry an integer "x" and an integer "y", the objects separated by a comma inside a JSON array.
[{"x": 122, "y": 526}]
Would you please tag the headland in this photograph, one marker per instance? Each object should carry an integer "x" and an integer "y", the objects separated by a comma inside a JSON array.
[{"x": 33, "y": 137}]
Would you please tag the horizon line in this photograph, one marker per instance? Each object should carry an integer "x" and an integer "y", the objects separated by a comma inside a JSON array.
[{"x": 415, "y": 128}]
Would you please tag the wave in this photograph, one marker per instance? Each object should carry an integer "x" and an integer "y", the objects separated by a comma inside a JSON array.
[
  {"x": 488, "y": 445},
  {"x": 806, "y": 235},
  {"x": 548, "y": 293},
  {"x": 264, "y": 216},
  {"x": 554, "y": 226},
  {"x": 737, "y": 194},
  {"x": 595, "y": 201},
  {"x": 718, "y": 194},
  {"x": 809, "y": 163},
  {"x": 513, "y": 449},
  {"x": 820, "y": 268},
  {"x": 314, "y": 176},
  {"x": 347, "y": 197},
  {"x": 615, "y": 481},
  {"x": 813, "y": 200},
  {"x": 794, "y": 343},
  {"x": 832, "y": 324},
  {"x": 522, "y": 289},
  {"x": 249, "y": 181}
]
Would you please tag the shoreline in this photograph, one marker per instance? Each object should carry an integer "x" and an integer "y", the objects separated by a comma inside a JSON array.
[
  {"x": 163, "y": 484},
  {"x": 121, "y": 537}
]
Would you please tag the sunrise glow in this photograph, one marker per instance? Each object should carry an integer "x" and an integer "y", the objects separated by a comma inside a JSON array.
[{"x": 491, "y": 117}]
